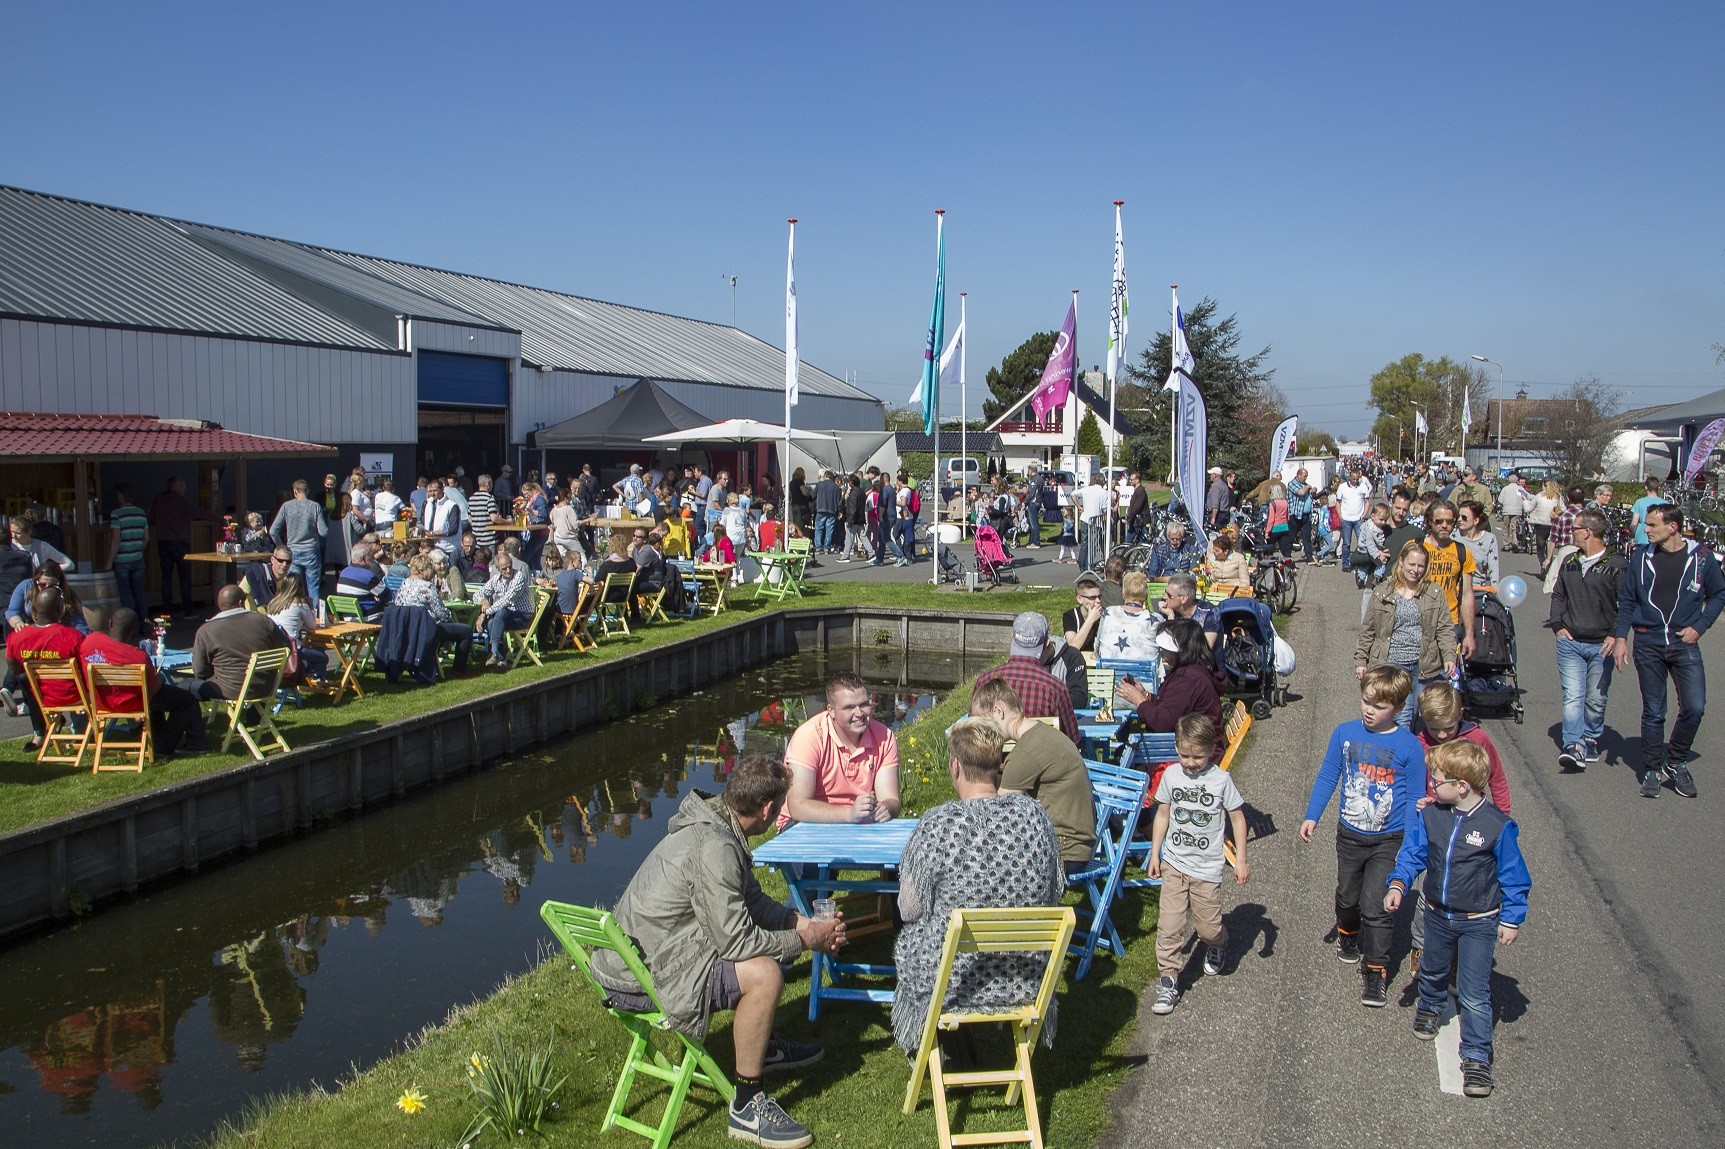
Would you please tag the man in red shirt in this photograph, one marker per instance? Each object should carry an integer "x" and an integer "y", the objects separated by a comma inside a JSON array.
[
  {"x": 1042, "y": 694},
  {"x": 53, "y": 640},
  {"x": 844, "y": 764},
  {"x": 174, "y": 711}
]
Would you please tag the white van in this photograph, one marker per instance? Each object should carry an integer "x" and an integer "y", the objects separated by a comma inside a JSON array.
[{"x": 963, "y": 471}]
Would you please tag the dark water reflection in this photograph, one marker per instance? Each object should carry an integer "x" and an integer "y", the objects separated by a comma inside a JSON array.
[{"x": 155, "y": 1019}]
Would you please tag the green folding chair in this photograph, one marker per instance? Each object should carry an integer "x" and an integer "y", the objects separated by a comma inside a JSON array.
[{"x": 581, "y": 930}]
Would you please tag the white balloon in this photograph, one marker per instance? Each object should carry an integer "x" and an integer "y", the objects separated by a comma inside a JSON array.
[{"x": 1513, "y": 591}]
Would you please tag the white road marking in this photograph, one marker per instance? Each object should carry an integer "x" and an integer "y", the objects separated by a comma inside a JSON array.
[{"x": 1448, "y": 1048}]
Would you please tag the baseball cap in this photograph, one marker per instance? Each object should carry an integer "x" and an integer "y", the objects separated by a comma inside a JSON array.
[
  {"x": 1029, "y": 634},
  {"x": 1215, "y": 470}
]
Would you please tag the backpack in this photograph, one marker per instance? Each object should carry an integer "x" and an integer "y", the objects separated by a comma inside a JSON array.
[
  {"x": 1242, "y": 653},
  {"x": 915, "y": 503}
]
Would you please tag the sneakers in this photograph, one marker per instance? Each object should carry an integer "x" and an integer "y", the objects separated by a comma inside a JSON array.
[
  {"x": 1425, "y": 1024},
  {"x": 1573, "y": 758},
  {"x": 1348, "y": 948},
  {"x": 760, "y": 1121},
  {"x": 1680, "y": 779},
  {"x": 1650, "y": 784},
  {"x": 1167, "y": 996},
  {"x": 10, "y": 702},
  {"x": 1215, "y": 959},
  {"x": 1476, "y": 1078},
  {"x": 1373, "y": 994},
  {"x": 784, "y": 1054},
  {"x": 1594, "y": 753}
]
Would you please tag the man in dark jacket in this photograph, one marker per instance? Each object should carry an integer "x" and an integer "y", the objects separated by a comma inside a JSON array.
[
  {"x": 224, "y": 645},
  {"x": 829, "y": 504},
  {"x": 1671, "y": 594},
  {"x": 712, "y": 940},
  {"x": 1583, "y": 615}
]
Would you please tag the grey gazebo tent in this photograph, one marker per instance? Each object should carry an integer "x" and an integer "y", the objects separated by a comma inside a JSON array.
[{"x": 637, "y": 412}]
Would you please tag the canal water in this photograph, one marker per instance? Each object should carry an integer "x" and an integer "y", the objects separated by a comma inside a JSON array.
[{"x": 153, "y": 1020}]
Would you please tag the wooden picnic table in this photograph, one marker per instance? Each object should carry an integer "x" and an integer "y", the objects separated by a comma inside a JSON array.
[
  {"x": 717, "y": 578},
  {"x": 351, "y": 642}
]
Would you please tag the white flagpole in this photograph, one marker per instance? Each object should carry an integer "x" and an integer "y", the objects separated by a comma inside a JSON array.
[
  {"x": 963, "y": 434},
  {"x": 1174, "y": 412},
  {"x": 1116, "y": 351},
  {"x": 792, "y": 371}
]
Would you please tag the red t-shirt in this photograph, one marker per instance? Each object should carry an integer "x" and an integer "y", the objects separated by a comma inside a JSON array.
[
  {"x": 55, "y": 641},
  {"x": 100, "y": 648}
]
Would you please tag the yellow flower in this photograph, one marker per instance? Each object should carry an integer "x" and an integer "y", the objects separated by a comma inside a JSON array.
[
  {"x": 411, "y": 1101},
  {"x": 911, "y": 740},
  {"x": 476, "y": 1064}
]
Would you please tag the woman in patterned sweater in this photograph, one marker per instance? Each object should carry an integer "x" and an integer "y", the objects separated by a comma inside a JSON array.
[{"x": 985, "y": 849}]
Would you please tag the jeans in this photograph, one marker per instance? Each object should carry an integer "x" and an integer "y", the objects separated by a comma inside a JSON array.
[
  {"x": 172, "y": 556},
  {"x": 498, "y": 622},
  {"x": 1301, "y": 525},
  {"x": 1682, "y": 661},
  {"x": 462, "y": 636},
  {"x": 904, "y": 538},
  {"x": 1363, "y": 866},
  {"x": 1467, "y": 946},
  {"x": 1541, "y": 539},
  {"x": 1350, "y": 531},
  {"x": 883, "y": 542},
  {"x": 1586, "y": 677},
  {"x": 130, "y": 577},
  {"x": 308, "y": 561},
  {"x": 825, "y": 522},
  {"x": 1405, "y": 718},
  {"x": 1033, "y": 512}
]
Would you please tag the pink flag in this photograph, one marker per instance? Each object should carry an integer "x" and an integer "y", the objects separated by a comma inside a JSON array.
[{"x": 1056, "y": 382}]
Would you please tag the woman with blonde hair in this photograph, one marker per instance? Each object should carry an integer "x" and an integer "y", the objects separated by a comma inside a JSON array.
[
  {"x": 291, "y": 610},
  {"x": 1408, "y": 625},
  {"x": 1540, "y": 509}
]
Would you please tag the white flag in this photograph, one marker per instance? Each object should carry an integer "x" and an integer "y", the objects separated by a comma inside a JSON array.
[
  {"x": 791, "y": 362},
  {"x": 1117, "y": 305},
  {"x": 1182, "y": 354},
  {"x": 1191, "y": 433},
  {"x": 1282, "y": 445},
  {"x": 1466, "y": 408},
  {"x": 952, "y": 359},
  {"x": 1420, "y": 423}
]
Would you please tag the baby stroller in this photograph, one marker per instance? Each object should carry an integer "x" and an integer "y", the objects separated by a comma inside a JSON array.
[
  {"x": 1488, "y": 680},
  {"x": 992, "y": 562},
  {"x": 1247, "y": 652},
  {"x": 947, "y": 566}
]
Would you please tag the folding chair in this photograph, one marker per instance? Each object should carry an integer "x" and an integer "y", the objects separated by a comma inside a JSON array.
[
  {"x": 263, "y": 680},
  {"x": 574, "y": 632},
  {"x": 345, "y": 608},
  {"x": 61, "y": 720},
  {"x": 1142, "y": 754},
  {"x": 691, "y": 592},
  {"x": 1039, "y": 929},
  {"x": 1099, "y": 683},
  {"x": 581, "y": 930},
  {"x": 105, "y": 680},
  {"x": 651, "y": 605},
  {"x": 1119, "y": 794},
  {"x": 614, "y": 608},
  {"x": 524, "y": 643}
]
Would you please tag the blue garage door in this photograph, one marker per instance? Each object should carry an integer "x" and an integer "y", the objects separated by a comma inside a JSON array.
[{"x": 463, "y": 380}]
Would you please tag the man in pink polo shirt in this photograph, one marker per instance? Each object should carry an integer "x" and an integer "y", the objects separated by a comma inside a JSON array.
[{"x": 844, "y": 764}]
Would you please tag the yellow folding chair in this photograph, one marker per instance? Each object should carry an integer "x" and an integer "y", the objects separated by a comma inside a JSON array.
[
  {"x": 1099, "y": 683},
  {"x": 574, "y": 632},
  {"x": 63, "y": 741},
  {"x": 105, "y": 680},
  {"x": 581, "y": 930},
  {"x": 1031, "y": 929},
  {"x": 617, "y": 593},
  {"x": 651, "y": 605},
  {"x": 524, "y": 643},
  {"x": 263, "y": 679}
]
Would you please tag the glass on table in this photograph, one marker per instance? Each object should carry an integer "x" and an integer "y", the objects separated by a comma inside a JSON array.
[{"x": 826, "y": 909}]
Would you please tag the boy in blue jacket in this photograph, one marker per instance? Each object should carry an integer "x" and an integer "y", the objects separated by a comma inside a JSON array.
[
  {"x": 1381, "y": 770},
  {"x": 1476, "y": 886}
]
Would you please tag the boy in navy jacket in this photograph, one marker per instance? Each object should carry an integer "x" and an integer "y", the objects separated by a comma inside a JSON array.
[
  {"x": 1381, "y": 770},
  {"x": 1476, "y": 887}
]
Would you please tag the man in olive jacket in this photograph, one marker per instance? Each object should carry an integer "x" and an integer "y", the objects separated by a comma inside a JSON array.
[{"x": 713, "y": 940}]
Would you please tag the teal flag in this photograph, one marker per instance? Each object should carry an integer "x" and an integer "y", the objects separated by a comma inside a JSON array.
[{"x": 929, "y": 391}]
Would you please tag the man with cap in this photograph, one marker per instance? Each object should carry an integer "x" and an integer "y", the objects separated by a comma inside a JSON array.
[
  {"x": 1217, "y": 501},
  {"x": 503, "y": 487},
  {"x": 1041, "y": 694}
]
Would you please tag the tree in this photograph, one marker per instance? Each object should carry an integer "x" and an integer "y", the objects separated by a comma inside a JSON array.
[
  {"x": 903, "y": 418},
  {"x": 1090, "y": 436},
  {"x": 1316, "y": 442},
  {"x": 1434, "y": 386},
  {"x": 1242, "y": 404},
  {"x": 1579, "y": 440},
  {"x": 1017, "y": 375}
]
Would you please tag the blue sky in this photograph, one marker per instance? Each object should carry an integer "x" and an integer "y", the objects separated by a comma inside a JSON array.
[{"x": 1536, "y": 183}]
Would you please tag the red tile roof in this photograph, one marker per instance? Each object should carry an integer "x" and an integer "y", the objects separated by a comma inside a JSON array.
[{"x": 48, "y": 436}]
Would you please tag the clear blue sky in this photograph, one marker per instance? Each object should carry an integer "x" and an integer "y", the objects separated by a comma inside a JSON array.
[{"x": 1536, "y": 183}]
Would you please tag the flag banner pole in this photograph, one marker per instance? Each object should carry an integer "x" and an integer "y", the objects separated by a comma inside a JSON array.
[
  {"x": 931, "y": 364},
  {"x": 1116, "y": 356},
  {"x": 792, "y": 371}
]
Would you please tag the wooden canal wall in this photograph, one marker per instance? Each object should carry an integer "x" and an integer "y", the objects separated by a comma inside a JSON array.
[{"x": 112, "y": 850}]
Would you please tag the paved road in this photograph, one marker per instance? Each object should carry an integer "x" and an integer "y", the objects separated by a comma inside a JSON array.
[{"x": 1610, "y": 1006}]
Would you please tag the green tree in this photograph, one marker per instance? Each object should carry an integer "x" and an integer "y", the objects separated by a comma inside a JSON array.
[
  {"x": 1090, "y": 436},
  {"x": 1017, "y": 375},
  {"x": 1242, "y": 404},
  {"x": 1316, "y": 442},
  {"x": 1434, "y": 386}
]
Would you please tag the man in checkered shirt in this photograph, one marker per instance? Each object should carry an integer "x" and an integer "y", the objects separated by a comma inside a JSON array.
[{"x": 1042, "y": 694}]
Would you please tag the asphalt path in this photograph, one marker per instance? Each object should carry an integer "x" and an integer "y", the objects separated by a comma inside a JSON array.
[{"x": 1609, "y": 1007}]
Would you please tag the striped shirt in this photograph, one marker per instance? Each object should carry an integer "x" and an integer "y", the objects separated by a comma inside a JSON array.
[
  {"x": 481, "y": 506},
  {"x": 133, "y": 525}
]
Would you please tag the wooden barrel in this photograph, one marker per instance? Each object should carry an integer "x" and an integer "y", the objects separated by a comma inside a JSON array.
[{"x": 100, "y": 595}]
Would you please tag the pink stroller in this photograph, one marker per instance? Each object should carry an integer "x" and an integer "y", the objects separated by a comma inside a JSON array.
[{"x": 992, "y": 562}]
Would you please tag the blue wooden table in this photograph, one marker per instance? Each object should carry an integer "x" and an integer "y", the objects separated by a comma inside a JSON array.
[
  {"x": 810, "y": 855},
  {"x": 174, "y": 664}
]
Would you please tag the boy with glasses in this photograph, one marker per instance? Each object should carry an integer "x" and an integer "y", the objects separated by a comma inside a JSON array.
[
  {"x": 1476, "y": 888},
  {"x": 1079, "y": 622}
]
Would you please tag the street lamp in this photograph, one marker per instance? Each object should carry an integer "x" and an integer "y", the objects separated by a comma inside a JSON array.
[{"x": 1499, "y": 367}]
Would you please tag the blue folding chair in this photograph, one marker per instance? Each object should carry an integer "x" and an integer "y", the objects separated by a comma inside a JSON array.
[
  {"x": 691, "y": 595},
  {"x": 1119, "y": 795},
  {"x": 1143, "y": 752}
]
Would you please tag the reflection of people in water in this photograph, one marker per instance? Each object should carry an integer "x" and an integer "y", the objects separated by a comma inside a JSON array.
[
  {"x": 574, "y": 827},
  {"x": 128, "y": 1040},
  {"x": 255, "y": 1000},
  {"x": 622, "y": 822},
  {"x": 302, "y": 938}
]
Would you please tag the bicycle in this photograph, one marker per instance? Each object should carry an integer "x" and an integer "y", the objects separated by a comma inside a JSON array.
[{"x": 1276, "y": 582}]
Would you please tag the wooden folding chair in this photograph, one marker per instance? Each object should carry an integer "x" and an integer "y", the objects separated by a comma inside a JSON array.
[
  {"x": 524, "y": 643},
  {"x": 63, "y": 741},
  {"x": 1099, "y": 684},
  {"x": 582, "y": 930},
  {"x": 105, "y": 681},
  {"x": 263, "y": 679},
  {"x": 1234, "y": 732},
  {"x": 614, "y": 607},
  {"x": 1119, "y": 794},
  {"x": 574, "y": 625},
  {"x": 651, "y": 605},
  {"x": 1037, "y": 929}
]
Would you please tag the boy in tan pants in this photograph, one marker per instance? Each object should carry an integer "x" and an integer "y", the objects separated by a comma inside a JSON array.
[{"x": 1186, "y": 852}]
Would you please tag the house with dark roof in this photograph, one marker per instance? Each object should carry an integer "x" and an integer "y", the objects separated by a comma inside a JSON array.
[{"x": 1026, "y": 439}]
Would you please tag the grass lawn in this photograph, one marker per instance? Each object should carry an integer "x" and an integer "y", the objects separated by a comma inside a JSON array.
[
  {"x": 853, "y": 1097},
  {"x": 32, "y": 793}
]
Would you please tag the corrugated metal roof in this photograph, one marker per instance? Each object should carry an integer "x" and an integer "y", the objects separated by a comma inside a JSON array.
[
  {"x": 68, "y": 259},
  {"x": 57, "y": 435}
]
